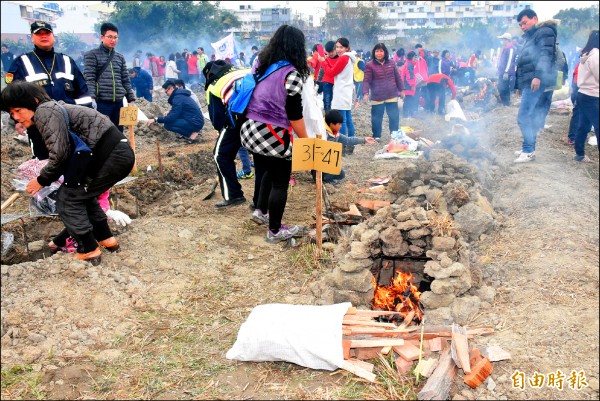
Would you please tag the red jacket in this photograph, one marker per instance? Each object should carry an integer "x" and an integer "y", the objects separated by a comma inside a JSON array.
[
  {"x": 444, "y": 80},
  {"x": 327, "y": 66},
  {"x": 409, "y": 78},
  {"x": 383, "y": 80}
]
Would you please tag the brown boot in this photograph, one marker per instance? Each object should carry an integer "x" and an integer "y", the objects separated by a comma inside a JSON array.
[
  {"x": 110, "y": 244},
  {"x": 94, "y": 257}
]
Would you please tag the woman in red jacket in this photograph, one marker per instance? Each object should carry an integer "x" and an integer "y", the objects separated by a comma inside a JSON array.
[{"x": 383, "y": 81}]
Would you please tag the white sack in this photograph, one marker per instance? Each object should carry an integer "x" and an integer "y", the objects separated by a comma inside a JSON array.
[
  {"x": 454, "y": 111},
  {"x": 307, "y": 335}
]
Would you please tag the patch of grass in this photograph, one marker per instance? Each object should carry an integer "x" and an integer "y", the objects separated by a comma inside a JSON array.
[
  {"x": 393, "y": 385},
  {"x": 21, "y": 382},
  {"x": 305, "y": 257}
]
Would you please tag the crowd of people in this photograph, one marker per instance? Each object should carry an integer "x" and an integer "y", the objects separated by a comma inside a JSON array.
[{"x": 50, "y": 98}]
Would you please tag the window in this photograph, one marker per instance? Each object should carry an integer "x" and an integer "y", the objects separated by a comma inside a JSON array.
[
  {"x": 393, "y": 10},
  {"x": 421, "y": 9},
  {"x": 497, "y": 8},
  {"x": 438, "y": 9},
  {"x": 450, "y": 9},
  {"x": 411, "y": 10}
]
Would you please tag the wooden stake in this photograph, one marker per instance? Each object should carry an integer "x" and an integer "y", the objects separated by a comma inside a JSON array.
[
  {"x": 9, "y": 201},
  {"x": 319, "y": 207},
  {"x": 160, "y": 168},
  {"x": 132, "y": 142}
]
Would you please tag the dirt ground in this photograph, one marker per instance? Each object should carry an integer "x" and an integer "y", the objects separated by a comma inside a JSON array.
[{"x": 155, "y": 320}]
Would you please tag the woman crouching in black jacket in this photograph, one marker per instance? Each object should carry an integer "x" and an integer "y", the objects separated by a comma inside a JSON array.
[{"x": 87, "y": 172}]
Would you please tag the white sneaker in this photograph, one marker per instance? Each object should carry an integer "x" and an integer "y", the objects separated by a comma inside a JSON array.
[
  {"x": 525, "y": 157},
  {"x": 518, "y": 152}
]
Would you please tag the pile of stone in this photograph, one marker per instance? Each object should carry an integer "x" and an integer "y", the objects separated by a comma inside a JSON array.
[{"x": 439, "y": 207}]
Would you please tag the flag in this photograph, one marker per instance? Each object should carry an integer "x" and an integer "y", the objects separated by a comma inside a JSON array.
[{"x": 225, "y": 48}]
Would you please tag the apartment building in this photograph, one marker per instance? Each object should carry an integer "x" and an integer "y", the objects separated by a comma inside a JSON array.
[{"x": 399, "y": 16}]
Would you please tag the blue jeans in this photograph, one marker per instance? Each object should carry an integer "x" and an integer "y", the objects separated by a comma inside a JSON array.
[
  {"x": 244, "y": 156},
  {"x": 327, "y": 95},
  {"x": 182, "y": 127},
  {"x": 543, "y": 107},
  {"x": 588, "y": 115},
  {"x": 347, "y": 125},
  {"x": 358, "y": 88},
  {"x": 528, "y": 120},
  {"x": 377, "y": 111}
]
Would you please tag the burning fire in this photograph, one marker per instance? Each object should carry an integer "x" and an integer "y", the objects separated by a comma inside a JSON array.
[{"x": 401, "y": 295}]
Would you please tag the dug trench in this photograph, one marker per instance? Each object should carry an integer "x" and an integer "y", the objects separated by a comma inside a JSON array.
[{"x": 156, "y": 319}]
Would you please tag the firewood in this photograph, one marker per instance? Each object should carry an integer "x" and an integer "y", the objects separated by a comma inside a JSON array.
[
  {"x": 366, "y": 353},
  {"x": 353, "y": 330},
  {"x": 10, "y": 201},
  {"x": 408, "y": 319},
  {"x": 346, "y": 348},
  {"x": 358, "y": 371},
  {"x": 403, "y": 366},
  {"x": 372, "y": 313},
  {"x": 460, "y": 348},
  {"x": 386, "y": 350},
  {"x": 407, "y": 351},
  {"x": 435, "y": 344},
  {"x": 438, "y": 385},
  {"x": 494, "y": 353},
  {"x": 474, "y": 356},
  {"x": 353, "y": 211},
  {"x": 362, "y": 364},
  {"x": 426, "y": 366},
  {"x": 377, "y": 342},
  {"x": 355, "y": 322},
  {"x": 479, "y": 373}
]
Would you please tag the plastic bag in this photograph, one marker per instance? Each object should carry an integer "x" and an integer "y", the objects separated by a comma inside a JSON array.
[
  {"x": 7, "y": 241},
  {"x": 400, "y": 142},
  {"x": 311, "y": 111},
  {"x": 454, "y": 111}
]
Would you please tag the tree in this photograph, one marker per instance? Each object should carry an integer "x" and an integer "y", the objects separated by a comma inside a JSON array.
[
  {"x": 575, "y": 25},
  {"x": 360, "y": 24},
  {"x": 170, "y": 25},
  {"x": 70, "y": 43}
]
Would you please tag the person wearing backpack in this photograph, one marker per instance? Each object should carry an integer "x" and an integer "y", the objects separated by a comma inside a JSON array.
[
  {"x": 107, "y": 160},
  {"x": 274, "y": 110},
  {"x": 220, "y": 78}
]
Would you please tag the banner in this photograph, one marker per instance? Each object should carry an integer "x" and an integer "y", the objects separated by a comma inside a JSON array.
[{"x": 225, "y": 48}]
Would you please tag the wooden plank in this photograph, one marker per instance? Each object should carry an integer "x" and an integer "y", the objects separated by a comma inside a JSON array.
[
  {"x": 479, "y": 373},
  {"x": 407, "y": 351},
  {"x": 426, "y": 366},
  {"x": 366, "y": 353},
  {"x": 362, "y": 364},
  {"x": 435, "y": 344},
  {"x": 9, "y": 201},
  {"x": 346, "y": 348},
  {"x": 383, "y": 342},
  {"x": 408, "y": 319},
  {"x": 460, "y": 345},
  {"x": 358, "y": 371},
  {"x": 357, "y": 322},
  {"x": 438, "y": 385},
  {"x": 403, "y": 366},
  {"x": 353, "y": 211}
]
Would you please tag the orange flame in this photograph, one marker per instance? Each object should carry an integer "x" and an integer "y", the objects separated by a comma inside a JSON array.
[{"x": 401, "y": 295}]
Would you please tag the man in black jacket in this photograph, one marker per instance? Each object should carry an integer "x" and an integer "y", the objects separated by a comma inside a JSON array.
[
  {"x": 107, "y": 75},
  {"x": 535, "y": 73}
]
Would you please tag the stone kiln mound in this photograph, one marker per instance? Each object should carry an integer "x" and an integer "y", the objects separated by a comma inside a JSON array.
[{"x": 439, "y": 208}]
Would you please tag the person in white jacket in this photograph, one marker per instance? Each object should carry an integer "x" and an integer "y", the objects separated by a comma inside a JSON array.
[
  {"x": 342, "y": 69},
  {"x": 588, "y": 95},
  {"x": 171, "y": 70}
]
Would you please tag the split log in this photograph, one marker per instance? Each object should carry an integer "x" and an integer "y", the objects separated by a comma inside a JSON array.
[
  {"x": 403, "y": 366},
  {"x": 373, "y": 313},
  {"x": 358, "y": 322},
  {"x": 358, "y": 371},
  {"x": 479, "y": 373},
  {"x": 366, "y": 353},
  {"x": 386, "y": 350},
  {"x": 408, "y": 319},
  {"x": 346, "y": 348},
  {"x": 435, "y": 344},
  {"x": 362, "y": 364},
  {"x": 426, "y": 367},
  {"x": 438, "y": 385},
  {"x": 460, "y": 348},
  {"x": 407, "y": 351},
  {"x": 376, "y": 342}
]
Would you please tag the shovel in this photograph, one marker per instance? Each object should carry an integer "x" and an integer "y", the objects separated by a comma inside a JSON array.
[{"x": 212, "y": 191}]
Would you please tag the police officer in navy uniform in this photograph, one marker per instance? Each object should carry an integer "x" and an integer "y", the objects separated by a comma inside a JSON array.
[{"x": 57, "y": 73}]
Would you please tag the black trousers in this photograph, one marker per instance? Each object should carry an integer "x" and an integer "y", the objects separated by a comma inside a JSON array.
[
  {"x": 226, "y": 148},
  {"x": 78, "y": 208},
  {"x": 271, "y": 187},
  {"x": 436, "y": 90}
]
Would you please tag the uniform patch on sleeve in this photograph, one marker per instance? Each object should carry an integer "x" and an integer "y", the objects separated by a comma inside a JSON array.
[{"x": 8, "y": 78}]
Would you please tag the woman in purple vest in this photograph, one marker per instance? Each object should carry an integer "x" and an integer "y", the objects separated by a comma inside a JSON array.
[{"x": 275, "y": 109}]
